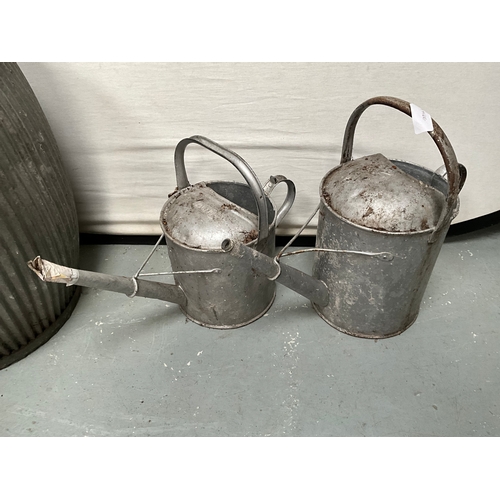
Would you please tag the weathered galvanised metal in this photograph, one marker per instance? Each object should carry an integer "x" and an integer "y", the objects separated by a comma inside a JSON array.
[
  {"x": 381, "y": 226},
  {"x": 372, "y": 204},
  {"x": 212, "y": 289},
  {"x": 196, "y": 219},
  {"x": 380, "y": 229}
]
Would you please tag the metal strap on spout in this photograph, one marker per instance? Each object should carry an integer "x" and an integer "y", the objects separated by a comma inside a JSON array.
[
  {"x": 297, "y": 234},
  {"x": 138, "y": 274},
  {"x": 240, "y": 164},
  {"x": 438, "y": 136},
  {"x": 215, "y": 270},
  {"x": 385, "y": 256},
  {"x": 136, "y": 288}
]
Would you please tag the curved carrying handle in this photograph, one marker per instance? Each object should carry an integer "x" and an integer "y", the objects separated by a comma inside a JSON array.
[
  {"x": 273, "y": 181},
  {"x": 240, "y": 164},
  {"x": 455, "y": 174}
]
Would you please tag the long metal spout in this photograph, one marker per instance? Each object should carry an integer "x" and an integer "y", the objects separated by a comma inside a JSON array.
[
  {"x": 307, "y": 286},
  {"x": 54, "y": 273}
]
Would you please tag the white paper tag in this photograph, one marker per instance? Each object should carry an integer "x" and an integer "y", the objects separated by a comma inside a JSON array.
[{"x": 422, "y": 121}]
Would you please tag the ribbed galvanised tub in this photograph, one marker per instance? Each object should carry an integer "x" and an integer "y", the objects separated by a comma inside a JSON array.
[{"x": 37, "y": 217}]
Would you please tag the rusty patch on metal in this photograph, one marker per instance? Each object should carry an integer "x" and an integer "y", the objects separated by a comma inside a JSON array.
[
  {"x": 249, "y": 235},
  {"x": 368, "y": 212},
  {"x": 327, "y": 197},
  {"x": 228, "y": 206},
  {"x": 175, "y": 191}
]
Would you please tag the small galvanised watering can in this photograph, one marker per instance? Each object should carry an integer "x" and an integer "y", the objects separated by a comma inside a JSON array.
[
  {"x": 381, "y": 226},
  {"x": 212, "y": 288}
]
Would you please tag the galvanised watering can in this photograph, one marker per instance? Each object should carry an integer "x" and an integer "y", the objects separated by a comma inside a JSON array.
[
  {"x": 212, "y": 288},
  {"x": 381, "y": 226}
]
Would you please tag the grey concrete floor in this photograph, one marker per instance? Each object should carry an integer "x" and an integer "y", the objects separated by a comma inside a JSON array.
[{"x": 137, "y": 367}]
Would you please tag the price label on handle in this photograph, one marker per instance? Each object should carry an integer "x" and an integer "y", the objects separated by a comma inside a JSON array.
[{"x": 422, "y": 121}]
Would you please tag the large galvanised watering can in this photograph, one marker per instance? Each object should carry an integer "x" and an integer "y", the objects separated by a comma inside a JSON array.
[
  {"x": 381, "y": 226},
  {"x": 212, "y": 288}
]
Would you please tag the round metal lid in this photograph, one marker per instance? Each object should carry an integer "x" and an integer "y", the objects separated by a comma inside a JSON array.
[
  {"x": 373, "y": 192},
  {"x": 199, "y": 217}
]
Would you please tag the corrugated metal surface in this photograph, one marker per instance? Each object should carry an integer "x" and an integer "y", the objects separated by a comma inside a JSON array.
[{"x": 37, "y": 217}]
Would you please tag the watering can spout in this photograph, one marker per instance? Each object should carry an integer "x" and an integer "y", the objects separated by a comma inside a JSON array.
[
  {"x": 55, "y": 273},
  {"x": 313, "y": 289}
]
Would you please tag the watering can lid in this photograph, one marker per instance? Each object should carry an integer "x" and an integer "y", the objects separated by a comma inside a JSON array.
[
  {"x": 373, "y": 192},
  {"x": 199, "y": 217}
]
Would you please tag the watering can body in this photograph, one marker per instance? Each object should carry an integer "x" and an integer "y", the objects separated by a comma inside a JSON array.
[
  {"x": 373, "y": 206},
  {"x": 369, "y": 296},
  {"x": 197, "y": 218},
  {"x": 234, "y": 295}
]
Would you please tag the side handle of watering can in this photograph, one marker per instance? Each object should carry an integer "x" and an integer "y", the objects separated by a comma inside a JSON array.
[
  {"x": 441, "y": 171},
  {"x": 456, "y": 173},
  {"x": 240, "y": 164},
  {"x": 273, "y": 181}
]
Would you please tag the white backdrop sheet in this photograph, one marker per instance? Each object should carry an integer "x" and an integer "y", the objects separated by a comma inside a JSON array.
[{"x": 117, "y": 125}]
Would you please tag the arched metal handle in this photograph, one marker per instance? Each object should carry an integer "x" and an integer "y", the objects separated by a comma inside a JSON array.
[
  {"x": 273, "y": 181},
  {"x": 455, "y": 174},
  {"x": 240, "y": 164}
]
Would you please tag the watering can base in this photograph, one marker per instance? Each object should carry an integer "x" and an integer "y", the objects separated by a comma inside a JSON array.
[
  {"x": 230, "y": 326},
  {"x": 364, "y": 335}
]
